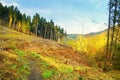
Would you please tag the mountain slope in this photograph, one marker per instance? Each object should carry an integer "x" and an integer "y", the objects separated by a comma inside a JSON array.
[{"x": 27, "y": 57}]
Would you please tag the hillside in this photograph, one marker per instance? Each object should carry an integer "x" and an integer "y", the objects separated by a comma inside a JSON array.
[
  {"x": 27, "y": 57},
  {"x": 75, "y": 36}
]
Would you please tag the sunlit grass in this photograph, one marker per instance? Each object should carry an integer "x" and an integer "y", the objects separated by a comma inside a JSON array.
[
  {"x": 12, "y": 34},
  {"x": 35, "y": 54},
  {"x": 16, "y": 59},
  {"x": 20, "y": 53},
  {"x": 47, "y": 74},
  {"x": 14, "y": 63},
  {"x": 60, "y": 66},
  {"x": 114, "y": 74}
]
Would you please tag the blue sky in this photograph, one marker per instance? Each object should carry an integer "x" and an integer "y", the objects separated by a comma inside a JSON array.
[{"x": 74, "y": 16}]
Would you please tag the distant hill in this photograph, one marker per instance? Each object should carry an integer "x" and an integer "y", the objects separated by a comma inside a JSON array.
[{"x": 74, "y": 36}]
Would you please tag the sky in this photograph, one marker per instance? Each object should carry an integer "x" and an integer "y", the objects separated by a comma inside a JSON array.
[{"x": 75, "y": 16}]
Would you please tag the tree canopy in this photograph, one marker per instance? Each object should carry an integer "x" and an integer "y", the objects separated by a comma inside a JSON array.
[{"x": 14, "y": 19}]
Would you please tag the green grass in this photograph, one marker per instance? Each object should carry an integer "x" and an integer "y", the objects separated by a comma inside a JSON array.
[
  {"x": 65, "y": 69},
  {"x": 20, "y": 53},
  {"x": 22, "y": 65},
  {"x": 46, "y": 70},
  {"x": 1, "y": 27},
  {"x": 12, "y": 47},
  {"x": 13, "y": 66},
  {"x": 114, "y": 74},
  {"x": 17, "y": 62},
  {"x": 35, "y": 54},
  {"x": 81, "y": 78},
  {"x": 47, "y": 74}
]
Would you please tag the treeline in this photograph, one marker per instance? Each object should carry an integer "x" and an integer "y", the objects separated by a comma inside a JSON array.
[
  {"x": 14, "y": 19},
  {"x": 113, "y": 35}
]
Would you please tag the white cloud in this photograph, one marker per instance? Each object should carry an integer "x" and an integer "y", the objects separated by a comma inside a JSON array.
[
  {"x": 77, "y": 25},
  {"x": 32, "y": 11},
  {"x": 9, "y": 3}
]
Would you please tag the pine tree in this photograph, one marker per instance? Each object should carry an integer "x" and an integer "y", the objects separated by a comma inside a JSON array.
[{"x": 35, "y": 23}]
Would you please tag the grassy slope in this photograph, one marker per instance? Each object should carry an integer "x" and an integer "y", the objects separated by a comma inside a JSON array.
[{"x": 25, "y": 57}]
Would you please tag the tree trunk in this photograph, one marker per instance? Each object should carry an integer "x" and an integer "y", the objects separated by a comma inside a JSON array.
[
  {"x": 45, "y": 33},
  {"x": 36, "y": 31},
  {"x": 108, "y": 37},
  {"x": 113, "y": 32}
]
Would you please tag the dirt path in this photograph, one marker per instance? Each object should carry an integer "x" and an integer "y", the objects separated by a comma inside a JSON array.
[{"x": 34, "y": 71}]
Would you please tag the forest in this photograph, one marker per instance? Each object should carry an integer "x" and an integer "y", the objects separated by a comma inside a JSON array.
[
  {"x": 12, "y": 18},
  {"x": 104, "y": 47}
]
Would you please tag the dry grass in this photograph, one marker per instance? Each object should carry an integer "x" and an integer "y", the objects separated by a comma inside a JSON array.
[{"x": 52, "y": 61}]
